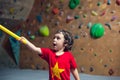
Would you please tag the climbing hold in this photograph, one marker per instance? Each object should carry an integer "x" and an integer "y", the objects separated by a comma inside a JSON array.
[
  {"x": 1, "y": 33},
  {"x": 57, "y": 23},
  {"x": 91, "y": 69},
  {"x": 111, "y": 72},
  {"x": 111, "y": 59},
  {"x": 33, "y": 66},
  {"x": 113, "y": 18},
  {"x": 61, "y": 13},
  {"x": 89, "y": 25},
  {"x": 80, "y": 26},
  {"x": 81, "y": 49},
  {"x": 29, "y": 33},
  {"x": 110, "y": 51},
  {"x": 76, "y": 16},
  {"x": 108, "y": 2},
  {"x": 73, "y": 4},
  {"x": 103, "y": 13},
  {"x": 95, "y": 54},
  {"x": 39, "y": 18},
  {"x": 101, "y": 60},
  {"x": 91, "y": 49},
  {"x": 11, "y": 10},
  {"x": 103, "y": 6},
  {"x": 105, "y": 65},
  {"x": 84, "y": 15},
  {"x": 82, "y": 69},
  {"x": 77, "y": 36},
  {"x": 32, "y": 37},
  {"x": 55, "y": 10},
  {"x": 113, "y": 11},
  {"x": 48, "y": 5},
  {"x": 37, "y": 66},
  {"x": 108, "y": 25},
  {"x": 97, "y": 30},
  {"x": 105, "y": 1},
  {"x": 99, "y": 3},
  {"x": 44, "y": 31},
  {"x": 84, "y": 34},
  {"x": 118, "y": 2},
  {"x": 94, "y": 13},
  {"x": 15, "y": 46},
  {"x": 69, "y": 19}
]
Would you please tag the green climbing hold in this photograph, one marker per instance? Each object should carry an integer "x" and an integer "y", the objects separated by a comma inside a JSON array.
[
  {"x": 97, "y": 30},
  {"x": 44, "y": 31},
  {"x": 32, "y": 37},
  {"x": 73, "y": 3},
  {"x": 99, "y": 3},
  {"x": 15, "y": 46}
]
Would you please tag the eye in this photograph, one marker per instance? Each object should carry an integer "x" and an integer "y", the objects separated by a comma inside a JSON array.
[{"x": 56, "y": 37}]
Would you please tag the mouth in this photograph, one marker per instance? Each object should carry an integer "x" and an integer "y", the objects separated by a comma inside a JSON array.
[{"x": 54, "y": 44}]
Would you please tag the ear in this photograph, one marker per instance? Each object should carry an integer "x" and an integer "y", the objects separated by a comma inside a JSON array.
[{"x": 65, "y": 43}]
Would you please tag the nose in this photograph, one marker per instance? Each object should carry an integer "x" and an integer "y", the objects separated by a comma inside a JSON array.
[{"x": 54, "y": 39}]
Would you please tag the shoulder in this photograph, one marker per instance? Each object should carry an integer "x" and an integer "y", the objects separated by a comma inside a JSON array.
[
  {"x": 46, "y": 49},
  {"x": 68, "y": 53},
  {"x": 46, "y": 52}
]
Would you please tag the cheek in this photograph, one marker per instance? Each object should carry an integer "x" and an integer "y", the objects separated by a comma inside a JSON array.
[{"x": 61, "y": 44}]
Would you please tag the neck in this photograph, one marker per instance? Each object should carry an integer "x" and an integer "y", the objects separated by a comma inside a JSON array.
[{"x": 60, "y": 52}]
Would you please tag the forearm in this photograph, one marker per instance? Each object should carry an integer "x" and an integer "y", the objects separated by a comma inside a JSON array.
[
  {"x": 75, "y": 74},
  {"x": 31, "y": 46}
]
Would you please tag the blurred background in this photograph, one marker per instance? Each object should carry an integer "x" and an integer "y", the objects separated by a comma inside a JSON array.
[{"x": 96, "y": 47}]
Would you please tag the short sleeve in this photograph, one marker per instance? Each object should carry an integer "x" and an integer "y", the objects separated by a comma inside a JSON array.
[
  {"x": 45, "y": 53},
  {"x": 73, "y": 64}
]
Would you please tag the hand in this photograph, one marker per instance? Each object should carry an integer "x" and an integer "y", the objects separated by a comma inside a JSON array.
[{"x": 23, "y": 40}]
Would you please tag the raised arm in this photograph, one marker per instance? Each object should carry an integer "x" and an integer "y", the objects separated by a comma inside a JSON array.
[
  {"x": 31, "y": 45},
  {"x": 75, "y": 74}
]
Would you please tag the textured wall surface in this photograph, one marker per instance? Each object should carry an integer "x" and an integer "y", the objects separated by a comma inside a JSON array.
[{"x": 93, "y": 56}]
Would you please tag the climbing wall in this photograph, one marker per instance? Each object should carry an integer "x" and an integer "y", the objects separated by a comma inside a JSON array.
[
  {"x": 5, "y": 60},
  {"x": 15, "y": 9},
  {"x": 12, "y": 12},
  {"x": 93, "y": 56}
]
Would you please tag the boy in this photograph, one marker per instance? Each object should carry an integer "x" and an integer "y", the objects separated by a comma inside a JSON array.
[{"x": 59, "y": 58}]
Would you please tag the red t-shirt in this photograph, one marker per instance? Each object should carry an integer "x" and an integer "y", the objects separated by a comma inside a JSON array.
[{"x": 59, "y": 66}]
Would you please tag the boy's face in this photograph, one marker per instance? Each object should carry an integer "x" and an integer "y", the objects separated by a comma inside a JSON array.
[{"x": 58, "y": 42}]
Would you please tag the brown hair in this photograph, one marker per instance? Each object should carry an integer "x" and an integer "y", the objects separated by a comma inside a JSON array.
[{"x": 68, "y": 39}]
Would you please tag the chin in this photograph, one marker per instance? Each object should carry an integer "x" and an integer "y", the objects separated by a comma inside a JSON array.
[{"x": 55, "y": 49}]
